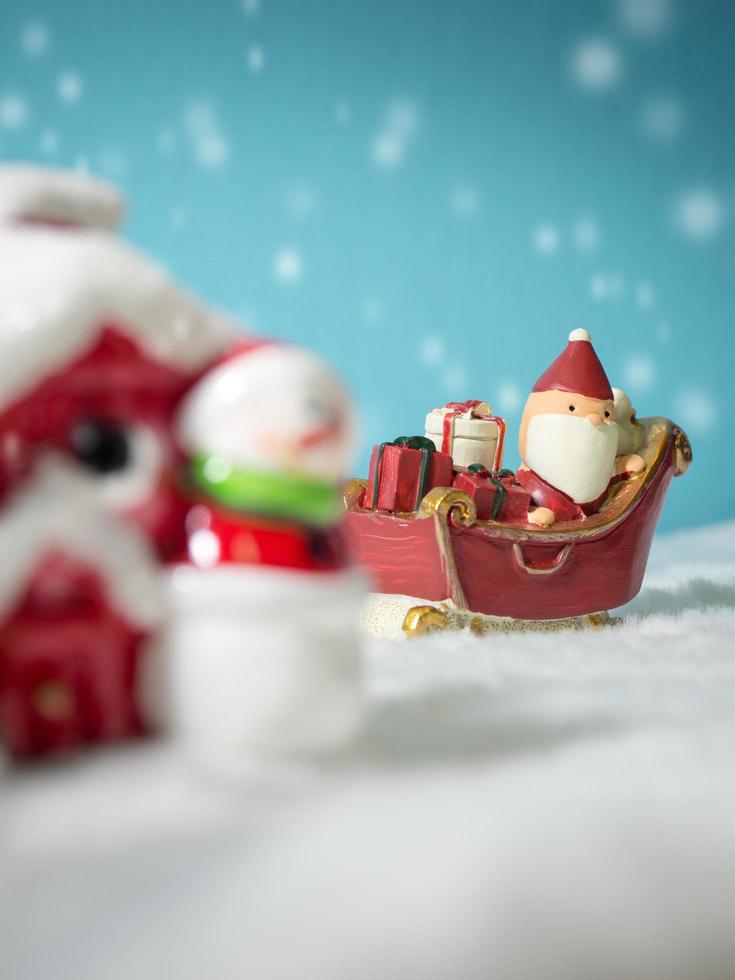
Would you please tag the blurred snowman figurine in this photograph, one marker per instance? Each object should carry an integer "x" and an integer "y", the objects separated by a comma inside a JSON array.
[{"x": 261, "y": 661}]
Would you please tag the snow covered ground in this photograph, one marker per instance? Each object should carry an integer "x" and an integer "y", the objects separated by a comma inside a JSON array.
[{"x": 522, "y": 806}]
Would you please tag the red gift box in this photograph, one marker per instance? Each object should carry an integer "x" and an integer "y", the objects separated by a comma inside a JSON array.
[
  {"x": 498, "y": 496},
  {"x": 402, "y": 472}
]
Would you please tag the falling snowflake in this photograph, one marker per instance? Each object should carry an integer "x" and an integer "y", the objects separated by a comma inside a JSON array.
[
  {"x": 598, "y": 286},
  {"x": 300, "y": 200},
  {"x": 13, "y": 111},
  {"x": 596, "y": 64},
  {"x": 288, "y": 266},
  {"x": 256, "y": 59},
  {"x": 200, "y": 116},
  {"x": 661, "y": 118},
  {"x": 250, "y": 7},
  {"x": 639, "y": 372},
  {"x": 399, "y": 128},
  {"x": 607, "y": 286},
  {"x": 645, "y": 19},
  {"x": 696, "y": 409},
  {"x": 644, "y": 296},
  {"x": 546, "y": 239},
  {"x": 372, "y": 311},
  {"x": 34, "y": 39},
  {"x": 69, "y": 87},
  {"x": 387, "y": 151},
  {"x": 178, "y": 217},
  {"x": 48, "y": 142},
  {"x": 509, "y": 397},
  {"x": 113, "y": 162},
  {"x": 208, "y": 142},
  {"x": 402, "y": 118},
  {"x": 465, "y": 202},
  {"x": 663, "y": 333},
  {"x": 432, "y": 350},
  {"x": 212, "y": 151},
  {"x": 455, "y": 379},
  {"x": 586, "y": 235},
  {"x": 699, "y": 214}
]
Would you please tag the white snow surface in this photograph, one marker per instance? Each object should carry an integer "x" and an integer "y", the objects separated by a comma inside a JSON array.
[
  {"x": 542, "y": 805},
  {"x": 59, "y": 288}
]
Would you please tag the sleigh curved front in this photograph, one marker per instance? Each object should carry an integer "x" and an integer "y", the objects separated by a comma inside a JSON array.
[{"x": 519, "y": 570}]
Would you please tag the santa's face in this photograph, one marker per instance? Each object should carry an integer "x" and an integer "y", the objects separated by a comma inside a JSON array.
[
  {"x": 570, "y": 441},
  {"x": 275, "y": 409}
]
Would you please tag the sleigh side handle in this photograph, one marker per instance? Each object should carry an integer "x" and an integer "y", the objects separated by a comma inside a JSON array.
[
  {"x": 554, "y": 565},
  {"x": 449, "y": 507}
]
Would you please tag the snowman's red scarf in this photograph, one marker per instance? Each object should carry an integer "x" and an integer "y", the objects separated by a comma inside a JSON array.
[{"x": 247, "y": 539}]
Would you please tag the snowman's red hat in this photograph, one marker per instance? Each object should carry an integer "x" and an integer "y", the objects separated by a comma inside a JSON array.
[{"x": 577, "y": 369}]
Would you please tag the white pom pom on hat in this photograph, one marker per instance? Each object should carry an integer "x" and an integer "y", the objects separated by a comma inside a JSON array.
[{"x": 580, "y": 334}]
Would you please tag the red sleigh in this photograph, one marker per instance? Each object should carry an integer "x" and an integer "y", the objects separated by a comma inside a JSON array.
[{"x": 441, "y": 566}]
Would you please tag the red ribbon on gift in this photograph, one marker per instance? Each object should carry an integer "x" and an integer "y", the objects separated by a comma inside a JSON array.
[{"x": 461, "y": 408}]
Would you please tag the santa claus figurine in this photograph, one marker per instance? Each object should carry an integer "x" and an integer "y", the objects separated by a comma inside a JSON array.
[
  {"x": 261, "y": 660},
  {"x": 569, "y": 437}
]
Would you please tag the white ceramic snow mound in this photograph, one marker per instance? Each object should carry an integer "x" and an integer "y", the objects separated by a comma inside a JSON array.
[
  {"x": 58, "y": 511},
  {"x": 59, "y": 288},
  {"x": 257, "y": 664},
  {"x": 382, "y": 615},
  {"x": 34, "y": 193},
  {"x": 272, "y": 408}
]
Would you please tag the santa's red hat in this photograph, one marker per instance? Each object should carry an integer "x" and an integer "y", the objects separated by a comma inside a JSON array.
[{"x": 577, "y": 369}]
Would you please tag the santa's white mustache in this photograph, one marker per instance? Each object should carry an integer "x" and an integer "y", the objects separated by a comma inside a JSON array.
[{"x": 572, "y": 453}]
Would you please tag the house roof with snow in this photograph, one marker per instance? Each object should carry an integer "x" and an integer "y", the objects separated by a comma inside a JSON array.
[{"x": 64, "y": 275}]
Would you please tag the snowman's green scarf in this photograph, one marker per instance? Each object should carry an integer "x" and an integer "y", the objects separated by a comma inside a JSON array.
[{"x": 290, "y": 497}]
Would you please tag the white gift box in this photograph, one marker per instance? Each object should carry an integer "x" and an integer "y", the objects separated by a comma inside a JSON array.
[{"x": 469, "y": 432}]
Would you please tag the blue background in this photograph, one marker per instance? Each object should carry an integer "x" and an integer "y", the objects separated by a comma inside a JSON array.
[{"x": 431, "y": 193}]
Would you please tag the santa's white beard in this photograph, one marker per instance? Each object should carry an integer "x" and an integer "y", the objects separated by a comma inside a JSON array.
[{"x": 571, "y": 454}]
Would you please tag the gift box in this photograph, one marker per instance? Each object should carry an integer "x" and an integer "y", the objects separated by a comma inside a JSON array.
[
  {"x": 469, "y": 433},
  {"x": 498, "y": 496},
  {"x": 403, "y": 471}
]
